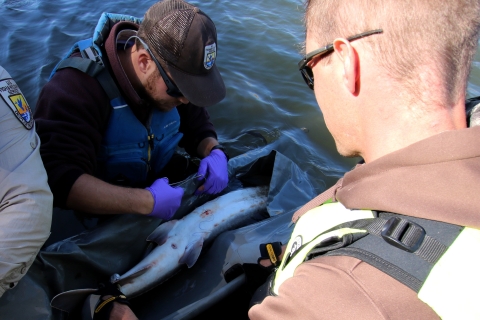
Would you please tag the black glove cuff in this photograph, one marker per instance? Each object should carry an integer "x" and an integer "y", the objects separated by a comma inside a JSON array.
[
  {"x": 220, "y": 147},
  {"x": 271, "y": 251}
]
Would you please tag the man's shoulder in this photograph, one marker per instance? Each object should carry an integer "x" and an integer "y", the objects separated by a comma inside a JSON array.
[
  {"x": 71, "y": 76},
  {"x": 73, "y": 85},
  {"x": 72, "y": 94},
  {"x": 3, "y": 73},
  {"x": 359, "y": 287}
]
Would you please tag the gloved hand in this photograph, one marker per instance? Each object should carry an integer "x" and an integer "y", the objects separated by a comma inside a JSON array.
[
  {"x": 213, "y": 168},
  {"x": 166, "y": 199}
]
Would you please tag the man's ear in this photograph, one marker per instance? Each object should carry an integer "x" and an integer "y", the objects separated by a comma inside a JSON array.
[
  {"x": 348, "y": 56},
  {"x": 143, "y": 60}
]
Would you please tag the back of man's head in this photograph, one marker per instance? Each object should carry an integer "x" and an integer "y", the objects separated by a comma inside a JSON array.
[{"x": 418, "y": 35}]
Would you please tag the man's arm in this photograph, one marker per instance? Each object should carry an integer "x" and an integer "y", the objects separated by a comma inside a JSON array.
[
  {"x": 197, "y": 128},
  {"x": 25, "y": 198},
  {"x": 341, "y": 287},
  {"x": 90, "y": 194},
  {"x": 72, "y": 113},
  {"x": 122, "y": 312},
  {"x": 205, "y": 146}
]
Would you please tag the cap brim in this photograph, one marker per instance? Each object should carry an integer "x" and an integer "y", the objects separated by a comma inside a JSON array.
[{"x": 202, "y": 90}]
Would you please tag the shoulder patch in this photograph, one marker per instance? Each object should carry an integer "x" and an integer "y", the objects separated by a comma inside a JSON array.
[{"x": 13, "y": 97}]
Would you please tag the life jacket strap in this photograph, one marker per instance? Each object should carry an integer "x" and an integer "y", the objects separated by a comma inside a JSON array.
[
  {"x": 94, "y": 70},
  {"x": 407, "y": 235},
  {"x": 410, "y": 241},
  {"x": 88, "y": 51}
]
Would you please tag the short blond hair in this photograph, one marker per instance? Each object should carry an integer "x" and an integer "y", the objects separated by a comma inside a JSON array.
[{"x": 442, "y": 34}]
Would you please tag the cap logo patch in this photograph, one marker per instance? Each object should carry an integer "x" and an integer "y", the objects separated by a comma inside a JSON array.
[
  {"x": 210, "y": 56},
  {"x": 13, "y": 97}
]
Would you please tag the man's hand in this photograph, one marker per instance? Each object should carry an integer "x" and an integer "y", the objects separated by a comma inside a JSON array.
[
  {"x": 122, "y": 312},
  {"x": 213, "y": 169},
  {"x": 166, "y": 199}
]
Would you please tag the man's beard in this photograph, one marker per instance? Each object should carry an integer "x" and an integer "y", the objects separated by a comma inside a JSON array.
[{"x": 146, "y": 94}]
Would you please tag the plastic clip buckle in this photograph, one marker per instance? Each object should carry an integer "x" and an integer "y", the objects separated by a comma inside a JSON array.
[
  {"x": 403, "y": 234},
  {"x": 92, "y": 54}
]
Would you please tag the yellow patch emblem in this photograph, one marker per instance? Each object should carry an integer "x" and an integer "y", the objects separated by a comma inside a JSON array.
[{"x": 13, "y": 97}]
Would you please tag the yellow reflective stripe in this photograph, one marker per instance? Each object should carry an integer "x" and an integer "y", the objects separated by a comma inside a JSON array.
[
  {"x": 451, "y": 288},
  {"x": 325, "y": 217},
  {"x": 310, "y": 226}
]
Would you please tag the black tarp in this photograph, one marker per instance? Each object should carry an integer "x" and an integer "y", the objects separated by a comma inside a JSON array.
[{"x": 92, "y": 256}]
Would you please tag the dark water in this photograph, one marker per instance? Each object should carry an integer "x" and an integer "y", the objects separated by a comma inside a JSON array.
[{"x": 258, "y": 49}]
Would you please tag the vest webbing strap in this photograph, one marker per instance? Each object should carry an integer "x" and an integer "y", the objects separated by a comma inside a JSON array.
[
  {"x": 381, "y": 264},
  {"x": 429, "y": 249},
  {"x": 380, "y": 244},
  {"x": 94, "y": 70}
]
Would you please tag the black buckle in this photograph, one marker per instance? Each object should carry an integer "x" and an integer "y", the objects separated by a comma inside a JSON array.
[{"x": 403, "y": 234}]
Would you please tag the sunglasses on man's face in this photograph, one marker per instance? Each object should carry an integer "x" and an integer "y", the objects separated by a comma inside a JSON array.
[
  {"x": 306, "y": 70},
  {"x": 172, "y": 89}
]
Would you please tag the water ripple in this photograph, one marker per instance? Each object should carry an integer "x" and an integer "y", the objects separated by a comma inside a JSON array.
[{"x": 259, "y": 43}]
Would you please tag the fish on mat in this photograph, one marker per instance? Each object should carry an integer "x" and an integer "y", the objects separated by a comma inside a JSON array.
[{"x": 180, "y": 242}]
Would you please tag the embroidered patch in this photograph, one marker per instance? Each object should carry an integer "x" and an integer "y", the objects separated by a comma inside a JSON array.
[
  {"x": 210, "y": 56},
  {"x": 14, "y": 98}
]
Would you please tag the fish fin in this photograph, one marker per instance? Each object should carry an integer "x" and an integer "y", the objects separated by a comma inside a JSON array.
[
  {"x": 121, "y": 280},
  {"x": 160, "y": 234},
  {"x": 192, "y": 251},
  {"x": 69, "y": 300}
]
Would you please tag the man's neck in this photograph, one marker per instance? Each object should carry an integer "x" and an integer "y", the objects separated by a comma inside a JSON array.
[
  {"x": 125, "y": 57},
  {"x": 404, "y": 125}
]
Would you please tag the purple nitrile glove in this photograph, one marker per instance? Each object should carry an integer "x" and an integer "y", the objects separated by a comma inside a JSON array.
[
  {"x": 166, "y": 199},
  {"x": 213, "y": 168}
]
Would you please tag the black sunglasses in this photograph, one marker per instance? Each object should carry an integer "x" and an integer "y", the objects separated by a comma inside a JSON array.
[
  {"x": 303, "y": 64},
  {"x": 172, "y": 89}
]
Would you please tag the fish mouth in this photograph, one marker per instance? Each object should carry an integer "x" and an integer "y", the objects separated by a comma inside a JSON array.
[
  {"x": 114, "y": 278},
  {"x": 122, "y": 280}
]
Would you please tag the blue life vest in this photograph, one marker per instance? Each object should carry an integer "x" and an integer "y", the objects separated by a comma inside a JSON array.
[{"x": 129, "y": 150}]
